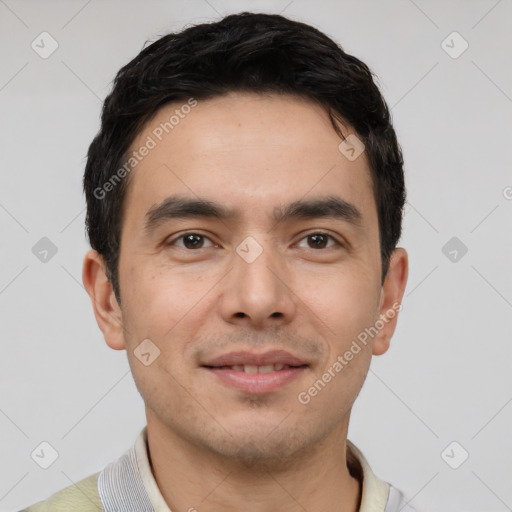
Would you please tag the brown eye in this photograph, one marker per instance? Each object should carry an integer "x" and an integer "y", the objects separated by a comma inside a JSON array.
[
  {"x": 319, "y": 240},
  {"x": 191, "y": 241}
]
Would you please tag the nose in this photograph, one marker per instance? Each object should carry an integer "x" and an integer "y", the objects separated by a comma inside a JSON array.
[{"x": 258, "y": 293}]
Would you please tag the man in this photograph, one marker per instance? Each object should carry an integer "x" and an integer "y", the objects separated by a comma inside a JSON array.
[{"x": 244, "y": 202}]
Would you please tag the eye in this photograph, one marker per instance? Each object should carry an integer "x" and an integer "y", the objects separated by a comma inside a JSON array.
[
  {"x": 319, "y": 240},
  {"x": 191, "y": 241}
]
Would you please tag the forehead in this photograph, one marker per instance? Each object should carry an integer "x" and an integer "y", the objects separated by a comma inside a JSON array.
[{"x": 251, "y": 152}]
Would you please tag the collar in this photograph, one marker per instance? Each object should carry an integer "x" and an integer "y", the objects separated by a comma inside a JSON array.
[{"x": 128, "y": 483}]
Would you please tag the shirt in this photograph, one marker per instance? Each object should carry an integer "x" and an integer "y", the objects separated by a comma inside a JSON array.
[{"x": 127, "y": 485}]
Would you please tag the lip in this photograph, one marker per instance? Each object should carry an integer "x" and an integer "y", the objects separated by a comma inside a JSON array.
[
  {"x": 254, "y": 359},
  {"x": 256, "y": 383}
]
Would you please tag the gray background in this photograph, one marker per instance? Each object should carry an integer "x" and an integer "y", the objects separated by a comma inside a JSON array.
[{"x": 447, "y": 375}]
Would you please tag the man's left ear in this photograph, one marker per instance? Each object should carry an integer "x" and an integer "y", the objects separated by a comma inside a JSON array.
[{"x": 390, "y": 300}]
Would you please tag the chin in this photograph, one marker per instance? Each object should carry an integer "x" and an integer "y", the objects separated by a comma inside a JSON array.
[
  {"x": 259, "y": 452},
  {"x": 264, "y": 445}
]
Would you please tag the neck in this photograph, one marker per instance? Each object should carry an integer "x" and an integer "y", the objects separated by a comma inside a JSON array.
[{"x": 193, "y": 478}]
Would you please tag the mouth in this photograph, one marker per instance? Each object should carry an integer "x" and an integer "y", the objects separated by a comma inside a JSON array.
[
  {"x": 252, "y": 368},
  {"x": 256, "y": 373}
]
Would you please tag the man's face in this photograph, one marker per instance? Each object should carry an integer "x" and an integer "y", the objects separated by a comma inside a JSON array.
[{"x": 221, "y": 296}]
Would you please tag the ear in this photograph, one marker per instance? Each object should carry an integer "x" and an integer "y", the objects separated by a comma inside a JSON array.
[
  {"x": 390, "y": 300},
  {"x": 104, "y": 303}
]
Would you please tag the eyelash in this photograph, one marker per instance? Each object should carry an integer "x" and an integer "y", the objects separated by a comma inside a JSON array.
[{"x": 323, "y": 233}]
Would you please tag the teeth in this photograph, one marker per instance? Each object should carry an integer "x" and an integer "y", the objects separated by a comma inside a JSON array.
[{"x": 250, "y": 368}]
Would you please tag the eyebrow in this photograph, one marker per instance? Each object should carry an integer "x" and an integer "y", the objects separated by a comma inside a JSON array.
[{"x": 182, "y": 207}]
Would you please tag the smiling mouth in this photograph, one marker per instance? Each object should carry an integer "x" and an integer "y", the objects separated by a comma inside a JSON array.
[
  {"x": 250, "y": 368},
  {"x": 256, "y": 380}
]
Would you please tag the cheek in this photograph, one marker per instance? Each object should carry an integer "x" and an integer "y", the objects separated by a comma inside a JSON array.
[
  {"x": 344, "y": 313},
  {"x": 163, "y": 305},
  {"x": 345, "y": 300}
]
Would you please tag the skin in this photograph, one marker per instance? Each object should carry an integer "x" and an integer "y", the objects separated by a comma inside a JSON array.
[{"x": 253, "y": 153}]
